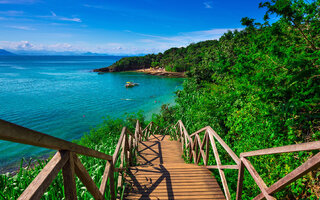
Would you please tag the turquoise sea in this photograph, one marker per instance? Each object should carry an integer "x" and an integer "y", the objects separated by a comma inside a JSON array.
[{"x": 61, "y": 96}]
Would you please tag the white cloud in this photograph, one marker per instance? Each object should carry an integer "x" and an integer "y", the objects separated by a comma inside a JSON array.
[
  {"x": 183, "y": 39},
  {"x": 70, "y": 19},
  {"x": 11, "y": 13},
  {"x": 208, "y": 4},
  {"x": 22, "y": 45},
  {"x": 17, "y": 1},
  {"x": 145, "y": 43},
  {"x": 28, "y": 46},
  {"x": 156, "y": 43},
  {"x": 54, "y": 16},
  {"x": 26, "y": 28}
]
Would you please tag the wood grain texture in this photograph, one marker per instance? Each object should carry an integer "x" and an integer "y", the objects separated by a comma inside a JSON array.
[
  {"x": 69, "y": 183},
  {"x": 39, "y": 185},
  {"x": 15, "y": 133},
  {"x": 311, "y": 164},
  {"x": 86, "y": 179},
  {"x": 163, "y": 174},
  {"x": 284, "y": 149}
]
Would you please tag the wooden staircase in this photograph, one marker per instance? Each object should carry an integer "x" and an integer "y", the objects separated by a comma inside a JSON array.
[
  {"x": 160, "y": 172},
  {"x": 163, "y": 174}
]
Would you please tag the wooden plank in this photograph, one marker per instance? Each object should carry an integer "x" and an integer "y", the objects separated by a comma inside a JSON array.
[
  {"x": 222, "y": 167},
  {"x": 39, "y": 185},
  {"x": 201, "y": 149},
  {"x": 173, "y": 178},
  {"x": 186, "y": 133},
  {"x": 310, "y": 165},
  {"x": 112, "y": 183},
  {"x": 105, "y": 177},
  {"x": 195, "y": 150},
  {"x": 263, "y": 187},
  {"x": 147, "y": 127},
  {"x": 69, "y": 183},
  {"x": 207, "y": 148},
  {"x": 284, "y": 149},
  {"x": 136, "y": 133},
  {"x": 130, "y": 150},
  {"x": 120, "y": 141},
  {"x": 149, "y": 131},
  {"x": 183, "y": 142},
  {"x": 122, "y": 160},
  {"x": 204, "y": 140},
  {"x": 15, "y": 133},
  {"x": 126, "y": 152},
  {"x": 86, "y": 179},
  {"x": 240, "y": 181},
  {"x": 221, "y": 173},
  {"x": 224, "y": 145},
  {"x": 199, "y": 131}
]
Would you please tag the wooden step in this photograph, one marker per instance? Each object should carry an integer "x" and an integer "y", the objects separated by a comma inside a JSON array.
[{"x": 163, "y": 174}]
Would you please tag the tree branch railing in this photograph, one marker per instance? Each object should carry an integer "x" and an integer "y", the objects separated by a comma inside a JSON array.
[
  {"x": 66, "y": 159},
  {"x": 196, "y": 149}
]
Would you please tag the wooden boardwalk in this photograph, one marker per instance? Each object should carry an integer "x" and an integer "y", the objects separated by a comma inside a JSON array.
[{"x": 163, "y": 174}]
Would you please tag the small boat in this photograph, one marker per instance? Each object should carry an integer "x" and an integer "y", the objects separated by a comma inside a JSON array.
[{"x": 131, "y": 84}]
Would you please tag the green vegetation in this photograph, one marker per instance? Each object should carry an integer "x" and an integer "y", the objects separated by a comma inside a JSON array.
[
  {"x": 173, "y": 60},
  {"x": 259, "y": 88},
  {"x": 103, "y": 138}
]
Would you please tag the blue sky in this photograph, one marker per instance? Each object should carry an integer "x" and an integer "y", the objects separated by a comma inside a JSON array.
[{"x": 118, "y": 26}]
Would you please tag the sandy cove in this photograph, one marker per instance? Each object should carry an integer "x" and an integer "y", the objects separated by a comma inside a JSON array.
[{"x": 161, "y": 72}]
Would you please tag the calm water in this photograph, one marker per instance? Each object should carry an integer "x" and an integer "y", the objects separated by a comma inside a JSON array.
[{"x": 60, "y": 96}]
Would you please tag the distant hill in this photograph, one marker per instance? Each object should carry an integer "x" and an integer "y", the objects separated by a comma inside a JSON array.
[
  {"x": 173, "y": 60},
  {"x": 6, "y": 53}
]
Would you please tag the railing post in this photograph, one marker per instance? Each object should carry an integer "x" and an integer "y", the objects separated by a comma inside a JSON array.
[
  {"x": 69, "y": 183},
  {"x": 195, "y": 150},
  {"x": 86, "y": 179},
  {"x": 127, "y": 150},
  {"x": 130, "y": 150},
  {"x": 39, "y": 185},
  {"x": 240, "y": 180},
  {"x": 136, "y": 134},
  {"x": 111, "y": 182},
  {"x": 207, "y": 147},
  {"x": 123, "y": 158}
]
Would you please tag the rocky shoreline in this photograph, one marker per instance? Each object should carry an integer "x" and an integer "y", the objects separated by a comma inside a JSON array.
[
  {"x": 150, "y": 71},
  {"x": 160, "y": 72}
]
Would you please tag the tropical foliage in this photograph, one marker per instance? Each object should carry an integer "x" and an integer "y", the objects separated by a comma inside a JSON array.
[{"x": 259, "y": 88}]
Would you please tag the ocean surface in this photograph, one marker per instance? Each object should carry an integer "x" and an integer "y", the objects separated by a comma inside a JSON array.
[{"x": 61, "y": 96}]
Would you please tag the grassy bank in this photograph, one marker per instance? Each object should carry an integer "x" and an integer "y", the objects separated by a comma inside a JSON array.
[{"x": 103, "y": 138}]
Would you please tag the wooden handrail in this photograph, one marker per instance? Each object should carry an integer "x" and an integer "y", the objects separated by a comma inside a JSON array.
[
  {"x": 284, "y": 149},
  {"x": 39, "y": 185},
  {"x": 15, "y": 133},
  {"x": 67, "y": 160},
  {"x": 197, "y": 149}
]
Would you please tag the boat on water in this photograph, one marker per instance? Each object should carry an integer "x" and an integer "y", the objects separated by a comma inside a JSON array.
[{"x": 131, "y": 84}]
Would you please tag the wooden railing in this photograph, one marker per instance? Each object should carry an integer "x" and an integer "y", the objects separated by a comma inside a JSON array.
[
  {"x": 197, "y": 149},
  {"x": 149, "y": 130},
  {"x": 66, "y": 159}
]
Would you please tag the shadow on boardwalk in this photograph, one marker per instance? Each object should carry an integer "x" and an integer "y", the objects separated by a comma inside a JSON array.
[{"x": 163, "y": 174}]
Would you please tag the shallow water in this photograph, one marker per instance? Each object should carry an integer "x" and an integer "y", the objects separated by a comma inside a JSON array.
[{"x": 61, "y": 96}]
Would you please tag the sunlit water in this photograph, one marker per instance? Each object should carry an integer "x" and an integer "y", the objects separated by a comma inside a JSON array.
[{"x": 61, "y": 96}]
